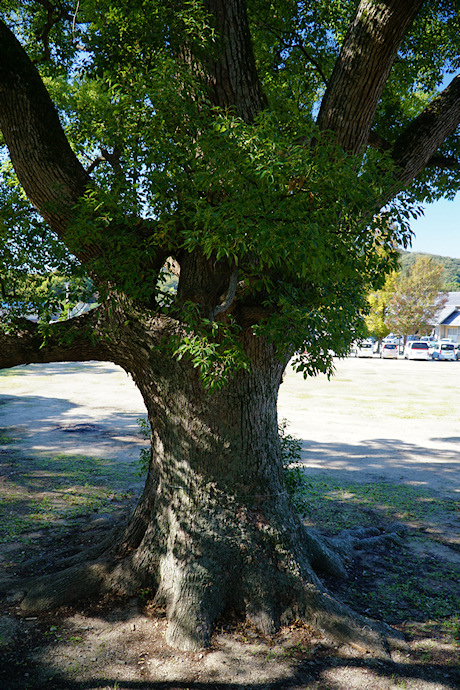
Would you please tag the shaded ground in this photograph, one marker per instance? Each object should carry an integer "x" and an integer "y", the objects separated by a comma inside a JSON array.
[{"x": 69, "y": 445}]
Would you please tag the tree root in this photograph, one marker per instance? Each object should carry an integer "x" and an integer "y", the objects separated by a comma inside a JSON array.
[
  {"x": 362, "y": 538},
  {"x": 267, "y": 580},
  {"x": 322, "y": 556},
  {"x": 65, "y": 588},
  {"x": 84, "y": 582}
]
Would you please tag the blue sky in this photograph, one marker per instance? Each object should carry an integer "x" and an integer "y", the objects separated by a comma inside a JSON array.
[{"x": 438, "y": 231}]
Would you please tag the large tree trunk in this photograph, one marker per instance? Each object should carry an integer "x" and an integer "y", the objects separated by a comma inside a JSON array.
[{"x": 214, "y": 530}]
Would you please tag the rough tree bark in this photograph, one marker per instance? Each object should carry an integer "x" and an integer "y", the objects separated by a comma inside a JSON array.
[{"x": 213, "y": 530}]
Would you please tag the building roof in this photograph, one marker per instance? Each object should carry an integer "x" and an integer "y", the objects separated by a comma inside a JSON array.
[
  {"x": 450, "y": 310},
  {"x": 453, "y": 299},
  {"x": 453, "y": 319}
]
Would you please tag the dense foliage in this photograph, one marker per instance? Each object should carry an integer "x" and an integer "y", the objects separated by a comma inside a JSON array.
[
  {"x": 379, "y": 307},
  {"x": 270, "y": 201}
]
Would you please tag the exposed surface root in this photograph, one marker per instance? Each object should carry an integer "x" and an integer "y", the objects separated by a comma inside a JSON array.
[
  {"x": 80, "y": 583},
  {"x": 65, "y": 588},
  {"x": 361, "y": 538},
  {"x": 266, "y": 580},
  {"x": 322, "y": 556}
]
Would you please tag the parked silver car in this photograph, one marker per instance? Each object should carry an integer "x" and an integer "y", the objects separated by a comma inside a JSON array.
[{"x": 444, "y": 351}]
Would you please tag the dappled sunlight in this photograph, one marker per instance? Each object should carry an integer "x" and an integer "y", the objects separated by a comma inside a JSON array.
[
  {"x": 54, "y": 491},
  {"x": 330, "y": 501},
  {"x": 352, "y": 474}
]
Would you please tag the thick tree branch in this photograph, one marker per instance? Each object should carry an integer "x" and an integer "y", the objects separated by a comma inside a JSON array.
[
  {"x": 232, "y": 77},
  {"x": 378, "y": 142},
  {"x": 362, "y": 69},
  {"x": 416, "y": 147},
  {"x": 444, "y": 163},
  {"x": 47, "y": 168},
  {"x": 74, "y": 340},
  {"x": 436, "y": 161}
]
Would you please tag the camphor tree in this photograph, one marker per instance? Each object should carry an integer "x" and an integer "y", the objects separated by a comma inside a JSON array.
[
  {"x": 417, "y": 298},
  {"x": 269, "y": 155}
]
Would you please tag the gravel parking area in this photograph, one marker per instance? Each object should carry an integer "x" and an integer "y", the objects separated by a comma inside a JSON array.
[
  {"x": 393, "y": 419},
  {"x": 396, "y": 420}
]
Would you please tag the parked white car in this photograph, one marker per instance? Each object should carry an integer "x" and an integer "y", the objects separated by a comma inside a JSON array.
[
  {"x": 417, "y": 349},
  {"x": 364, "y": 349},
  {"x": 389, "y": 351}
]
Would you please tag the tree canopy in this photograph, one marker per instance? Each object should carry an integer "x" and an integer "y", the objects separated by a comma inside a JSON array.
[
  {"x": 164, "y": 151},
  {"x": 270, "y": 157}
]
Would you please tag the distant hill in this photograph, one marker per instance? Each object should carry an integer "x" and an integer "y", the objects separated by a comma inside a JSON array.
[{"x": 451, "y": 268}]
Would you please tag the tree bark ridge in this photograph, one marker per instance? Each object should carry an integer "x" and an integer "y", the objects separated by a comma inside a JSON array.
[{"x": 232, "y": 76}]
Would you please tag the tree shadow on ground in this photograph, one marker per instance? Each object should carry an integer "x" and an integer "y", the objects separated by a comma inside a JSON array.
[
  {"x": 59, "y": 470},
  {"x": 319, "y": 671},
  {"x": 386, "y": 460},
  {"x": 93, "y": 367},
  {"x": 44, "y": 425},
  {"x": 316, "y": 668},
  {"x": 328, "y": 673}
]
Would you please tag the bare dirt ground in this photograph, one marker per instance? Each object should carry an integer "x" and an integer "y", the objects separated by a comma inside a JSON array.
[{"x": 380, "y": 449}]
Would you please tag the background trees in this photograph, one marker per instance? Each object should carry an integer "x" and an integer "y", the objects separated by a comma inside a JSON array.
[
  {"x": 380, "y": 307},
  {"x": 451, "y": 276},
  {"x": 417, "y": 298},
  {"x": 247, "y": 149},
  {"x": 410, "y": 299}
]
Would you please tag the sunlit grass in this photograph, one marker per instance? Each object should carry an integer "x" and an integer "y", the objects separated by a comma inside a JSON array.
[{"x": 335, "y": 505}]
